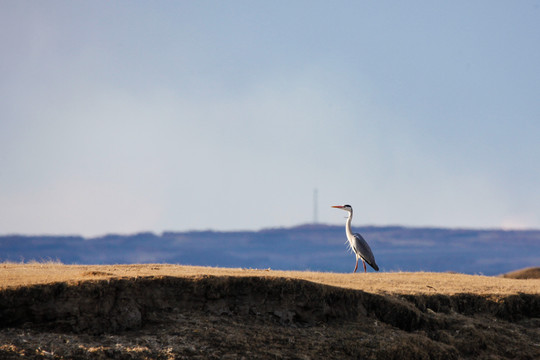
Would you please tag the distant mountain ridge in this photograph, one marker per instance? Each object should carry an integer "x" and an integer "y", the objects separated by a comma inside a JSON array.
[{"x": 314, "y": 247}]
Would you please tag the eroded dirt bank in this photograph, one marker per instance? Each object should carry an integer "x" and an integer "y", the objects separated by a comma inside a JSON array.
[{"x": 162, "y": 317}]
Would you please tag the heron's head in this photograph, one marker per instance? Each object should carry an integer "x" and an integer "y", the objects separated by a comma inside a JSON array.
[{"x": 343, "y": 207}]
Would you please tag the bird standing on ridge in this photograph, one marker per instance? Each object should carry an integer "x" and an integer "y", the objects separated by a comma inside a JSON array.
[{"x": 357, "y": 242}]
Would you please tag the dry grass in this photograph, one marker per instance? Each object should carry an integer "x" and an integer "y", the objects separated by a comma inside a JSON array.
[
  {"x": 157, "y": 311},
  {"x": 13, "y": 275},
  {"x": 528, "y": 273}
]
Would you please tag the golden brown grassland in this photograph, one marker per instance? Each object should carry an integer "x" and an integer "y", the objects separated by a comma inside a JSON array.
[{"x": 159, "y": 311}]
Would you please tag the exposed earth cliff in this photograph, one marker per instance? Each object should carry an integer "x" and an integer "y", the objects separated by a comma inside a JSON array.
[{"x": 175, "y": 312}]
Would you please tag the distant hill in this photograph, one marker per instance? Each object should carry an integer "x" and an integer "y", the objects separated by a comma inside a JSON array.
[{"x": 305, "y": 247}]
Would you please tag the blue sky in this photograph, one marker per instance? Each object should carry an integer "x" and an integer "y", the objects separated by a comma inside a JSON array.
[{"x": 174, "y": 115}]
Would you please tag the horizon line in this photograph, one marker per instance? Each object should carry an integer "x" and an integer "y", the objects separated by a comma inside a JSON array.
[{"x": 309, "y": 224}]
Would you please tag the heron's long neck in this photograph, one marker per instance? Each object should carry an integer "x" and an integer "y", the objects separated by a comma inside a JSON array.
[{"x": 348, "y": 225}]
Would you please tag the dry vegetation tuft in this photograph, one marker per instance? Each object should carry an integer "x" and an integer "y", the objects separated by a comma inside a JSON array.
[{"x": 528, "y": 273}]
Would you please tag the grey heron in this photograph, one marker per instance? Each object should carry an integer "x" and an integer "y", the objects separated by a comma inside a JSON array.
[{"x": 357, "y": 242}]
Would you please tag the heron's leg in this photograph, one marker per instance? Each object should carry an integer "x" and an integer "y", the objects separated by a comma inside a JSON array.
[
  {"x": 356, "y": 267},
  {"x": 363, "y": 262}
]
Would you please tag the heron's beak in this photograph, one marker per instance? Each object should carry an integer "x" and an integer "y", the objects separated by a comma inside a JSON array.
[{"x": 338, "y": 207}]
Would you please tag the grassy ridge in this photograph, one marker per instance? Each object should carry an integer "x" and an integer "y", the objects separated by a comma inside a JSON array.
[
  {"x": 528, "y": 273},
  {"x": 50, "y": 310}
]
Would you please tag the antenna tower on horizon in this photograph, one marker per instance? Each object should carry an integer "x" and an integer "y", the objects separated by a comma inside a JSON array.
[{"x": 315, "y": 215}]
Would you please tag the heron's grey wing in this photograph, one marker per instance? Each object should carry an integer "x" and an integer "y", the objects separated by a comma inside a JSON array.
[{"x": 362, "y": 248}]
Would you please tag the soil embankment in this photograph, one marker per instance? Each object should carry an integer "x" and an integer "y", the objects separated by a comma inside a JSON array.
[{"x": 167, "y": 312}]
